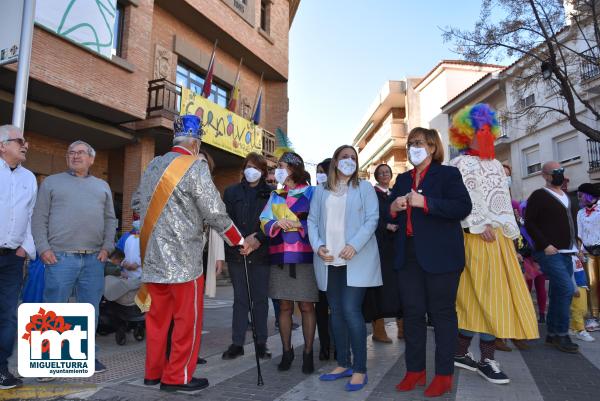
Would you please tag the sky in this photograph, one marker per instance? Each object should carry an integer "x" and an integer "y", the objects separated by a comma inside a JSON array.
[{"x": 342, "y": 52}]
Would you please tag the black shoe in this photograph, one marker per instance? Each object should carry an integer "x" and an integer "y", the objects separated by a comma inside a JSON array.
[
  {"x": 151, "y": 382},
  {"x": 324, "y": 354},
  {"x": 308, "y": 365},
  {"x": 99, "y": 367},
  {"x": 139, "y": 332},
  {"x": 233, "y": 352},
  {"x": 295, "y": 326},
  {"x": 466, "y": 362},
  {"x": 490, "y": 371},
  {"x": 286, "y": 360},
  {"x": 202, "y": 361},
  {"x": 564, "y": 344},
  {"x": 549, "y": 339},
  {"x": 7, "y": 380},
  {"x": 194, "y": 385},
  {"x": 121, "y": 335},
  {"x": 542, "y": 318},
  {"x": 263, "y": 351}
]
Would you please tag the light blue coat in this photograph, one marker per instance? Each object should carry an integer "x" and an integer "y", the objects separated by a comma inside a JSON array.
[{"x": 362, "y": 215}]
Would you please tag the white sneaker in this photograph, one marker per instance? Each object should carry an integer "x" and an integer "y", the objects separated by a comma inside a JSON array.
[
  {"x": 584, "y": 336},
  {"x": 592, "y": 325}
]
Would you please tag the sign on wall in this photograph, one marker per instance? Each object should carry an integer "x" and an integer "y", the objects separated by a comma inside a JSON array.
[
  {"x": 89, "y": 23},
  {"x": 10, "y": 31},
  {"x": 222, "y": 128}
]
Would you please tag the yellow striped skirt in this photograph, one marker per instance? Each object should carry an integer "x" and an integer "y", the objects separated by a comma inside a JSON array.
[{"x": 492, "y": 294}]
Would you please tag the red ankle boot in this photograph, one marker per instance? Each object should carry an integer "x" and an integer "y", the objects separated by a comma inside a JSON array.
[
  {"x": 411, "y": 380},
  {"x": 439, "y": 386}
]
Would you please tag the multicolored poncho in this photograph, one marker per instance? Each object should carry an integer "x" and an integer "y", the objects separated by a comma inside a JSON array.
[{"x": 290, "y": 246}]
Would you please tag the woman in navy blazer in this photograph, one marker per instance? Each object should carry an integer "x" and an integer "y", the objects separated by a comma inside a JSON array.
[{"x": 428, "y": 204}]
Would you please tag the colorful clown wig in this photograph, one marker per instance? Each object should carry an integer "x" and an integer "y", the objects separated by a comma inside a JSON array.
[{"x": 474, "y": 130}]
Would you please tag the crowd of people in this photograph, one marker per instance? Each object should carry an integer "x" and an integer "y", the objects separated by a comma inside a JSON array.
[{"x": 445, "y": 246}]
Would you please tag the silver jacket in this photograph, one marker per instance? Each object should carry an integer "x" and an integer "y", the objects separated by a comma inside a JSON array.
[{"x": 174, "y": 250}]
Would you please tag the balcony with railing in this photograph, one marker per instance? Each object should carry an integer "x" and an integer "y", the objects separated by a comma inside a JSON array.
[
  {"x": 593, "y": 148},
  {"x": 391, "y": 134},
  {"x": 163, "y": 99},
  {"x": 268, "y": 141},
  {"x": 590, "y": 65}
]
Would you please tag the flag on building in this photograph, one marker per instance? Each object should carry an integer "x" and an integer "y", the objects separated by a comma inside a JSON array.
[
  {"x": 235, "y": 94},
  {"x": 206, "y": 88},
  {"x": 256, "y": 115}
]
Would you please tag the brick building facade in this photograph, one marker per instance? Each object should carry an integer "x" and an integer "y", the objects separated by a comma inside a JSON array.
[{"x": 74, "y": 93}]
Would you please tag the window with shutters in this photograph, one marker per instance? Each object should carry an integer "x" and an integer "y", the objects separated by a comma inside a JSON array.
[
  {"x": 531, "y": 159},
  {"x": 566, "y": 149}
]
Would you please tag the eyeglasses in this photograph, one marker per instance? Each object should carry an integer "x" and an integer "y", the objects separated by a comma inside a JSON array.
[
  {"x": 417, "y": 144},
  {"x": 20, "y": 141},
  {"x": 560, "y": 170},
  {"x": 384, "y": 174},
  {"x": 72, "y": 153}
]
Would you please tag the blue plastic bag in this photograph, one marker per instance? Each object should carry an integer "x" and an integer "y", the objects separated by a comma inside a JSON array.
[{"x": 34, "y": 287}]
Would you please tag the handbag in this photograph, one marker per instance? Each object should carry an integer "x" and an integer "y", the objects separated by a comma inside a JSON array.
[{"x": 33, "y": 291}]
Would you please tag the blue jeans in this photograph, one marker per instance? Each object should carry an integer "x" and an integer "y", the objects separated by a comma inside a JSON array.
[
  {"x": 559, "y": 269},
  {"x": 347, "y": 320},
  {"x": 82, "y": 273},
  {"x": 11, "y": 280}
]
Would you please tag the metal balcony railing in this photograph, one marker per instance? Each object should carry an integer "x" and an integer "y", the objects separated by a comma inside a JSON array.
[
  {"x": 163, "y": 98},
  {"x": 590, "y": 65},
  {"x": 593, "y": 148}
]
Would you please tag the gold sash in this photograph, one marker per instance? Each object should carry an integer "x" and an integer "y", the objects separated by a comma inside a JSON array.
[{"x": 164, "y": 189}]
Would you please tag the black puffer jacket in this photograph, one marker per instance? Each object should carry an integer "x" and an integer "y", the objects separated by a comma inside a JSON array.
[{"x": 244, "y": 205}]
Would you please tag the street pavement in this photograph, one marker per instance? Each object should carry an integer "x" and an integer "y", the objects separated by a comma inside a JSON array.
[{"x": 540, "y": 373}]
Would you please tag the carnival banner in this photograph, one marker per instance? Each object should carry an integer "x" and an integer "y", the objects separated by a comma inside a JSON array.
[{"x": 222, "y": 128}]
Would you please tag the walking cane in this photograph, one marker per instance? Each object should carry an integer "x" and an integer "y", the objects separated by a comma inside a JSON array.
[{"x": 253, "y": 325}]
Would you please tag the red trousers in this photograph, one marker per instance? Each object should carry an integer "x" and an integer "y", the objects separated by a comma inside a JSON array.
[{"x": 184, "y": 304}]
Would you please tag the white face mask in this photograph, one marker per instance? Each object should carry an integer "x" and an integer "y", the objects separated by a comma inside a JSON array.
[
  {"x": 509, "y": 181},
  {"x": 281, "y": 175},
  {"x": 252, "y": 175},
  {"x": 346, "y": 166},
  {"x": 136, "y": 225},
  {"x": 417, "y": 155},
  {"x": 321, "y": 178}
]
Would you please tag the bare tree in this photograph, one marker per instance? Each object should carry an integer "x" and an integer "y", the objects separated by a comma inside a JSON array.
[{"x": 559, "y": 37}]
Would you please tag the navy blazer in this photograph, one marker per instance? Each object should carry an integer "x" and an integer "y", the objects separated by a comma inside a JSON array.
[{"x": 438, "y": 235}]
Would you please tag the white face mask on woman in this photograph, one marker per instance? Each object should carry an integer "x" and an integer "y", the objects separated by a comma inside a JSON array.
[
  {"x": 417, "y": 155},
  {"x": 252, "y": 175},
  {"x": 321, "y": 178},
  {"x": 346, "y": 166},
  {"x": 281, "y": 175}
]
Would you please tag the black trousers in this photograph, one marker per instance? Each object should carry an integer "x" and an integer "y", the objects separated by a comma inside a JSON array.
[
  {"x": 322, "y": 311},
  {"x": 435, "y": 295},
  {"x": 259, "y": 285}
]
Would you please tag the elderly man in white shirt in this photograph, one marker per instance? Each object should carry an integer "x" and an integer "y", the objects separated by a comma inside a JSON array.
[{"x": 17, "y": 199}]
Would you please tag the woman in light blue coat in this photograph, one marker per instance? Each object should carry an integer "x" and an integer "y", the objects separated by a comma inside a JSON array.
[{"x": 341, "y": 227}]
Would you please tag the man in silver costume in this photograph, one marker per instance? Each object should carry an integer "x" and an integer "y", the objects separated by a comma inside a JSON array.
[{"x": 172, "y": 254}]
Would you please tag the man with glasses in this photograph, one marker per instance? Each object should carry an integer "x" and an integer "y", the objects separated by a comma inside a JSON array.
[
  {"x": 17, "y": 198},
  {"x": 549, "y": 221},
  {"x": 74, "y": 227}
]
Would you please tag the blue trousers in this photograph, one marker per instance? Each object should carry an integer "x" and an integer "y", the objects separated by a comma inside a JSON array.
[
  {"x": 80, "y": 274},
  {"x": 347, "y": 320},
  {"x": 559, "y": 269},
  {"x": 11, "y": 280}
]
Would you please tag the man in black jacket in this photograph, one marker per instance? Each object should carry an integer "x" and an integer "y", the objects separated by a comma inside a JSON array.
[
  {"x": 550, "y": 224},
  {"x": 244, "y": 202}
]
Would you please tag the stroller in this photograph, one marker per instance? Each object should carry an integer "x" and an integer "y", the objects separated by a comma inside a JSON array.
[{"x": 120, "y": 319}]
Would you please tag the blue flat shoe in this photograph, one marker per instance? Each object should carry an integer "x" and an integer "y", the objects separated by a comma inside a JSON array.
[
  {"x": 329, "y": 377},
  {"x": 356, "y": 387}
]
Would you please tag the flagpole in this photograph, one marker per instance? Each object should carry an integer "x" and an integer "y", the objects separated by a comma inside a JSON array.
[{"x": 257, "y": 94}]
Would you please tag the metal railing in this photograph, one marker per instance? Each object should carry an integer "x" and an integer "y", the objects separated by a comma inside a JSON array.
[
  {"x": 163, "y": 98},
  {"x": 593, "y": 148},
  {"x": 590, "y": 65}
]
